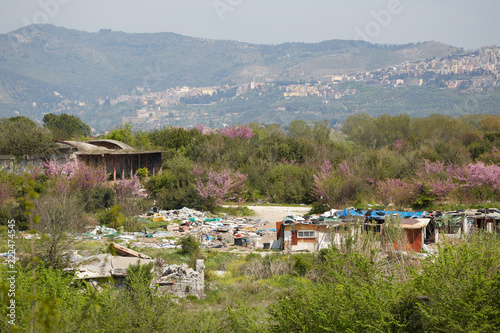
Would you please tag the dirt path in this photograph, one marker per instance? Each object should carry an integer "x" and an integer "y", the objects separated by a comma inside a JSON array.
[{"x": 275, "y": 214}]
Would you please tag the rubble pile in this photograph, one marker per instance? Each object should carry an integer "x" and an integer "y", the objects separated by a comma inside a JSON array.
[
  {"x": 105, "y": 265},
  {"x": 179, "y": 280}
]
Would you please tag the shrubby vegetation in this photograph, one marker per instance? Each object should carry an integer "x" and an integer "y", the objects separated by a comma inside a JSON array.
[
  {"x": 409, "y": 162},
  {"x": 351, "y": 289},
  {"x": 424, "y": 163},
  {"x": 20, "y": 136}
]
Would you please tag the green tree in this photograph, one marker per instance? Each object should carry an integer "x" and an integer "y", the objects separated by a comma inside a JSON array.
[
  {"x": 378, "y": 132},
  {"x": 173, "y": 137},
  {"x": 123, "y": 134},
  {"x": 321, "y": 131},
  {"x": 61, "y": 217},
  {"x": 290, "y": 183},
  {"x": 299, "y": 129},
  {"x": 65, "y": 127},
  {"x": 20, "y": 136}
]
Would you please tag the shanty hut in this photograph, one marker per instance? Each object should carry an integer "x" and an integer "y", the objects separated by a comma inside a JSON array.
[{"x": 415, "y": 230}]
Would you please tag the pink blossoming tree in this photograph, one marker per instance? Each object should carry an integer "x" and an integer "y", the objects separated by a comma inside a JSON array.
[
  {"x": 125, "y": 188},
  {"x": 396, "y": 191},
  {"x": 6, "y": 192},
  {"x": 74, "y": 175},
  {"x": 335, "y": 186},
  {"x": 237, "y": 132},
  {"x": 219, "y": 186}
]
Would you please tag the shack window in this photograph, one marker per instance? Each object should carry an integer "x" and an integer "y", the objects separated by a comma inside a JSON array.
[{"x": 306, "y": 234}]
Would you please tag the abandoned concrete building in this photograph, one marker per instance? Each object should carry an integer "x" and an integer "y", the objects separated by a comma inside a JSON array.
[{"x": 120, "y": 160}]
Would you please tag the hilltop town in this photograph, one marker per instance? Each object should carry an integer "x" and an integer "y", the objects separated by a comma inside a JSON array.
[{"x": 468, "y": 73}]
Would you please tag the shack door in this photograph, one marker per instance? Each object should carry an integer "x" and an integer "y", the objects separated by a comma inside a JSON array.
[{"x": 414, "y": 239}]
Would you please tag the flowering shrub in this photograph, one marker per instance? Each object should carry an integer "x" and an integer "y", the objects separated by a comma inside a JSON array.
[
  {"x": 75, "y": 175},
  {"x": 204, "y": 130},
  {"x": 128, "y": 187},
  {"x": 53, "y": 168},
  {"x": 433, "y": 168},
  {"x": 478, "y": 174},
  {"x": 436, "y": 177},
  {"x": 399, "y": 145},
  {"x": 336, "y": 186},
  {"x": 396, "y": 191},
  {"x": 440, "y": 189},
  {"x": 86, "y": 177},
  {"x": 237, "y": 132},
  {"x": 323, "y": 182},
  {"x": 6, "y": 193},
  {"x": 219, "y": 186}
]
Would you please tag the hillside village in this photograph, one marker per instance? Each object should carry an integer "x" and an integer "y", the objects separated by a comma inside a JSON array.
[{"x": 467, "y": 74}]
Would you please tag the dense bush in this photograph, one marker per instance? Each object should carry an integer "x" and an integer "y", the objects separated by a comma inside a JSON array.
[
  {"x": 455, "y": 291},
  {"x": 290, "y": 183},
  {"x": 337, "y": 290},
  {"x": 462, "y": 285},
  {"x": 97, "y": 198},
  {"x": 189, "y": 245}
]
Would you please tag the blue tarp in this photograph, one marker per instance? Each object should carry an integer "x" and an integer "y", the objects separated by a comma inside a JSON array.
[{"x": 382, "y": 214}]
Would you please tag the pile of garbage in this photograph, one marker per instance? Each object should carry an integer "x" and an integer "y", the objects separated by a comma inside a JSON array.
[
  {"x": 99, "y": 232},
  {"x": 211, "y": 231},
  {"x": 184, "y": 214}
]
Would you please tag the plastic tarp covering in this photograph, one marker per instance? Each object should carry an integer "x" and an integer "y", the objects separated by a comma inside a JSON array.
[
  {"x": 382, "y": 213},
  {"x": 451, "y": 221}
]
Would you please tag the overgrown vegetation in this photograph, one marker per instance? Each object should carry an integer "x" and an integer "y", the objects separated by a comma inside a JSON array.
[
  {"x": 335, "y": 290},
  {"x": 359, "y": 286},
  {"x": 408, "y": 162}
]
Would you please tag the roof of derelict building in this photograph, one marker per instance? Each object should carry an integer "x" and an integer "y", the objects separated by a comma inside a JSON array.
[
  {"x": 83, "y": 147},
  {"x": 110, "y": 144},
  {"x": 100, "y": 147}
]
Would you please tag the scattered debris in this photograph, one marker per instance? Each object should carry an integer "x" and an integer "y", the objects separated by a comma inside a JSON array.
[{"x": 125, "y": 252}]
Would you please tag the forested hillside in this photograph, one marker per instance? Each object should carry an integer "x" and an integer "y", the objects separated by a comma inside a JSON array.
[{"x": 48, "y": 65}]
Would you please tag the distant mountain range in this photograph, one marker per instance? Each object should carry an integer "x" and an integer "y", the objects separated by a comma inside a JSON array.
[{"x": 43, "y": 64}]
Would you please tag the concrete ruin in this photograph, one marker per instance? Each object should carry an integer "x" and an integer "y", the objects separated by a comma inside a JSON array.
[
  {"x": 106, "y": 265},
  {"x": 176, "y": 280},
  {"x": 181, "y": 281},
  {"x": 118, "y": 159}
]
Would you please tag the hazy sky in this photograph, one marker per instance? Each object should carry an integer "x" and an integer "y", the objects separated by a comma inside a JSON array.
[{"x": 463, "y": 23}]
